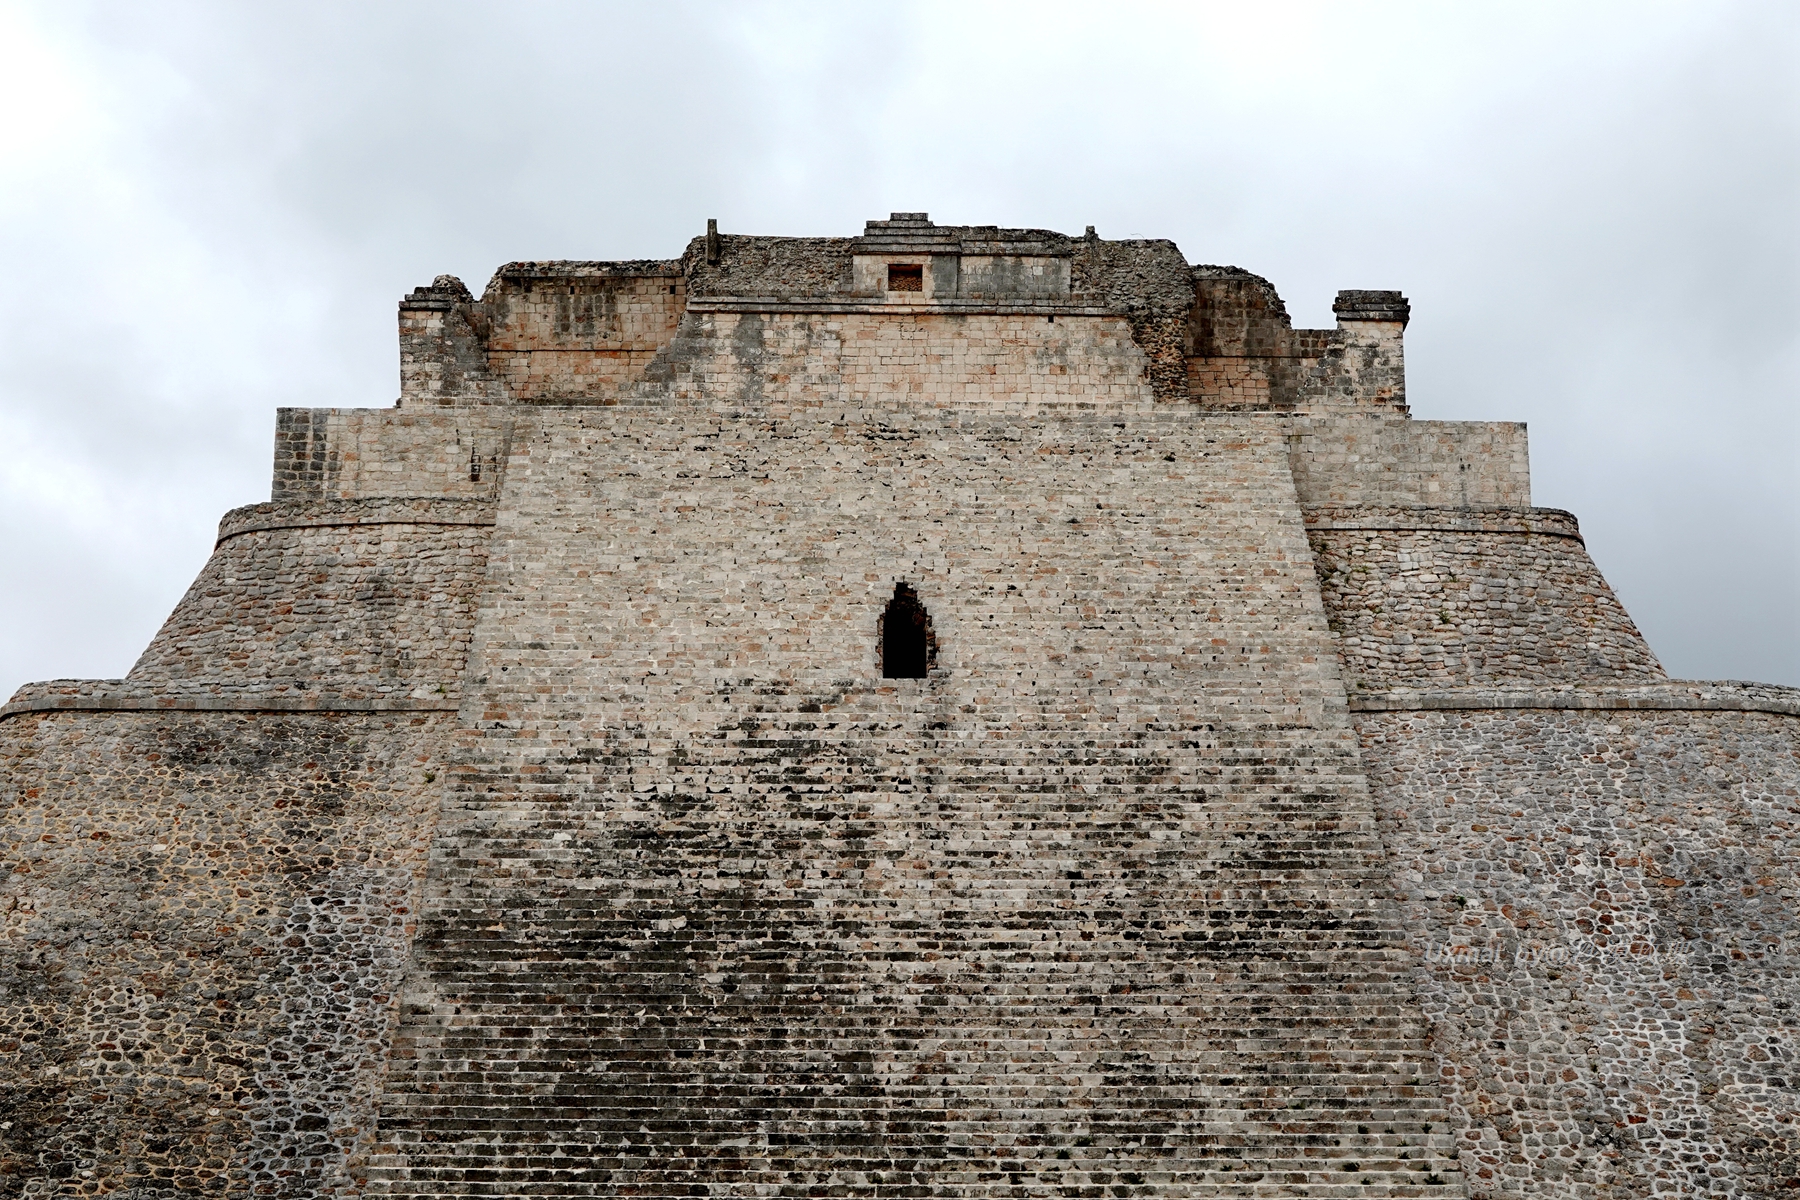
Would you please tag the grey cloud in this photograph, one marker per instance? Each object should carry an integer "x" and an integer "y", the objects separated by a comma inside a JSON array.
[{"x": 1592, "y": 212}]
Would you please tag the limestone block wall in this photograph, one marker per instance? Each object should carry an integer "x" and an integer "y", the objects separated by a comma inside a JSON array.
[
  {"x": 1457, "y": 597},
  {"x": 1340, "y": 461},
  {"x": 577, "y": 332},
  {"x": 1603, "y": 902},
  {"x": 322, "y": 600},
  {"x": 367, "y": 453},
  {"x": 874, "y": 493},
  {"x": 1089, "y": 910},
  {"x": 203, "y": 922},
  {"x": 1148, "y": 281},
  {"x": 749, "y": 354},
  {"x": 790, "y": 268},
  {"x": 1362, "y": 368}
]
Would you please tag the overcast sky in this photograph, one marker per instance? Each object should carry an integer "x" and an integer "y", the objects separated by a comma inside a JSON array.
[{"x": 208, "y": 211}]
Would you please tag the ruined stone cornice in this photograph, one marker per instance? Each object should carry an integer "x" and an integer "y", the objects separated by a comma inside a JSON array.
[{"x": 574, "y": 268}]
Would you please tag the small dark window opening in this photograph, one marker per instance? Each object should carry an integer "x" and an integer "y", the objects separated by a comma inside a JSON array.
[
  {"x": 908, "y": 646},
  {"x": 903, "y": 278}
]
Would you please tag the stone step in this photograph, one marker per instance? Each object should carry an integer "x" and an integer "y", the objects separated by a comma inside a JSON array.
[{"x": 996, "y": 1179}]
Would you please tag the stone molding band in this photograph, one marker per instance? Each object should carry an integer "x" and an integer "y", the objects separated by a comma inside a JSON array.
[
  {"x": 1709, "y": 698},
  {"x": 324, "y": 514},
  {"x": 1676, "y": 696},
  {"x": 243, "y": 704},
  {"x": 1385, "y": 518}
]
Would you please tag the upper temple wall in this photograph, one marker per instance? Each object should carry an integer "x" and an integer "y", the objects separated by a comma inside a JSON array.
[{"x": 605, "y": 332}]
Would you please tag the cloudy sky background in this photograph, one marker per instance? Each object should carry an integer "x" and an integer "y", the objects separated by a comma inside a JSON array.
[{"x": 208, "y": 211}]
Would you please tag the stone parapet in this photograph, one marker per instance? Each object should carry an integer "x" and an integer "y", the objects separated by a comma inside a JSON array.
[
  {"x": 1243, "y": 353},
  {"x": 443, "y": 348},
  {"x": 585, "y": 332},
  {"x": 578, "y": 333}
]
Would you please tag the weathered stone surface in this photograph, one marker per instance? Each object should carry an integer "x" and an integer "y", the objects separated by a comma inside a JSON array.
[
  {"x": 518, "y": 803},
  {"x": 1439, "y": 598},
  {"x": 1353, "y": 461},
  {"x": 1243, "y": 354},
  {"x": 366, "y": 454},
  {"x": 349, "y": 600},
  {"x": 578, "y": 333},
  {"x": 1091, "y": 907},
  {"x": 837, "y": 357},
  {"x": 1604, "y": 903},
  {"x": 206, "y": 916}
]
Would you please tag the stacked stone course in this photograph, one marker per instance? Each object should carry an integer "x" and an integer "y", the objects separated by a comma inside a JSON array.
[
  {"x": 1038, "y": 921},
  {"x": 1606, "y": 904},
  {"x": 206, "y": 919},
  {"x": 351, "y": 600},
  {"x": 1434, "y": 598},
  {"x": 970, "y": 358},
  {"x": 368, "y": 454},
  {"x": 515, "y": 805},
  {"x": 560, "y": 333}
]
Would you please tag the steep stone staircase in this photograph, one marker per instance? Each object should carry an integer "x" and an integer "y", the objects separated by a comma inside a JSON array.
[{"x": 1085, "y": 930}]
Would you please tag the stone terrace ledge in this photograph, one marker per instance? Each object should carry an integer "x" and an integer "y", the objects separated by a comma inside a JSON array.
[
  {"x": 115, "y": 695},
  {"x": 1475, "y": 518},
  {"x": 331, "y": 514},
  {"x": 1676, "y": 695}
]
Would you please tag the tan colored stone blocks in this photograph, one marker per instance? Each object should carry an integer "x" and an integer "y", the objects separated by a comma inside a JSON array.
[
  {"x": 368, "y": 453},
  {"x": 580, "y": 337},
  {"x": 1376, "y": 461},
  {"x": 328, "y": 601},
  {"x": 1047, "y": 900},
  {"x": 972, "y": 358},
  {"x": 1425, "y": 607}
]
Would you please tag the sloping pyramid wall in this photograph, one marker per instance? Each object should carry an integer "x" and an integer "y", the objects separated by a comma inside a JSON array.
[{"x": 1095, "y": 909}]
